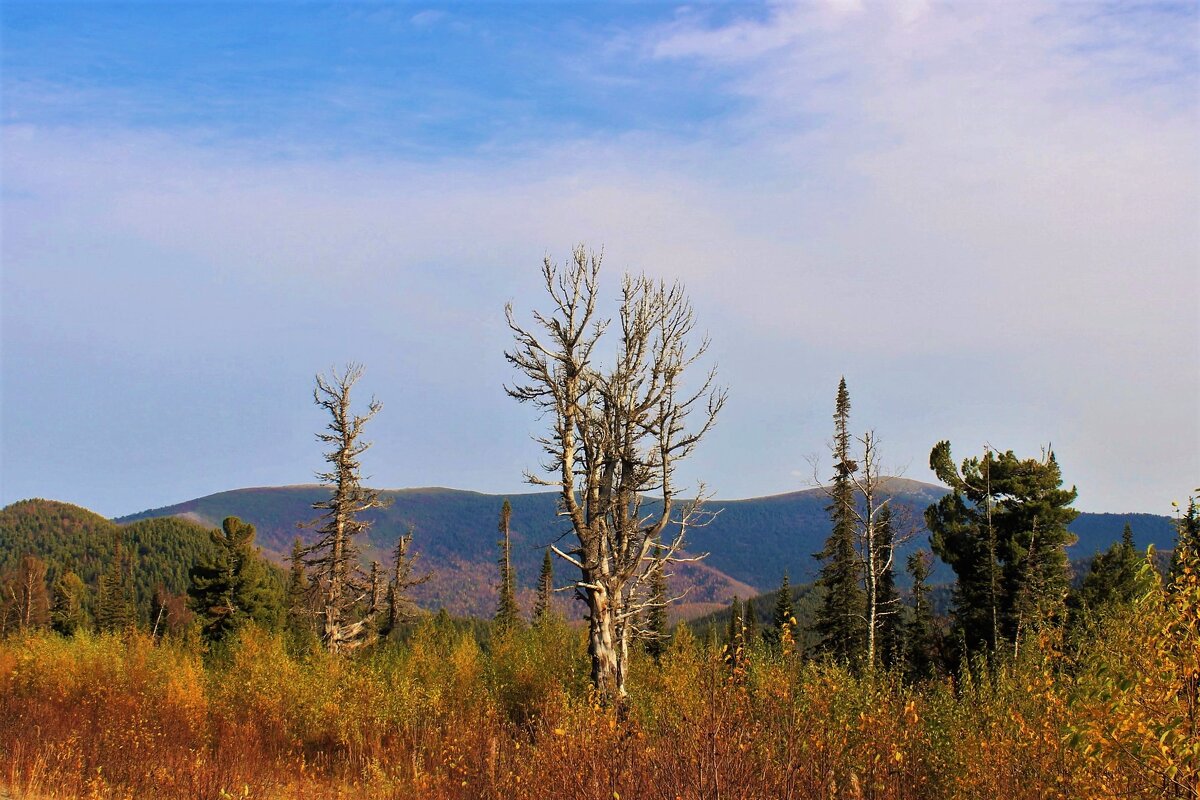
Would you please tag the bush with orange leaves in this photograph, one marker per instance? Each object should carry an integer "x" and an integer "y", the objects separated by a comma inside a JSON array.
[{"x": 446, "y": 715}]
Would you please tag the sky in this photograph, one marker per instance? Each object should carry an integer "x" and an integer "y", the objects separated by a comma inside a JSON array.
[{"x": 985, "y": 215}]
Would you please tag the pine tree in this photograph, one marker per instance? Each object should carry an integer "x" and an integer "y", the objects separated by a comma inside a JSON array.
[
  {"x": 657, "y": 638},
  {"x": 69, "y": 614},
  {"x": 1003, "y": 530},
  {"x": 232, "y": 588},
  {"x": 839, "y": 622},
  {"x": 508, "y": 615},
  {"x": 887, "y": 602},
  {"x": 114, "y": 603},
  {"x": 543, "y": 605},
  {"x": 920, "y": 636}
]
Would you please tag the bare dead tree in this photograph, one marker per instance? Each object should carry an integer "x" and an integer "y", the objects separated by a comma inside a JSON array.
[
  {"x": 341, "y": 585},
  {"x": 616, "y": 437},
  {"x": 399, "y": 590}
]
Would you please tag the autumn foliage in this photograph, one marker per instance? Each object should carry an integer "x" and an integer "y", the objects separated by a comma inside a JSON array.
[{"x": 440, "y": 715}]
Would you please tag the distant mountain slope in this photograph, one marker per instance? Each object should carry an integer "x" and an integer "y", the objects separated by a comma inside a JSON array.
[
  {"x": 455, "y": 537},
  {"x": 71, "y": 538},
  {"x": 750, "y": 542}
]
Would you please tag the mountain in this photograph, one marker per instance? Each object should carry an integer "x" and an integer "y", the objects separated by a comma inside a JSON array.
[
  {"x": 70, "y": 538},
  {"x": 750, "y": 542}
]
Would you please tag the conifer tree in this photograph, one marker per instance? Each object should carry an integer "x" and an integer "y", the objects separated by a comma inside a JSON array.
[
  {"x": 543, "y": 608},
  {"x": 1113, "y": 579},
  {"x": 1003, "y": 530},
  {"x": 343, "y": 591},
  {"x": 839, "y": 622},
  {"x": 1188, "y": 535},
  {"x": 69, "y": 613},
  {"x": 783, "y": 616},
  {"x": 299, "y": 594},
  {"x": 920, "y": 636},
  {"x": 657, "y": 638},
  {"x": 232, "y": 588},
  {"x": 508, "y": 615},
  {"x": 750, "y": 624},
  {"x": 114, "y": 603},
  {"x": 736, "y": 633}
]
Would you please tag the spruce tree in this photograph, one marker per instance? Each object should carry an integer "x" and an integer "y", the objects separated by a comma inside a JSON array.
[
  {"x": 920, "y": 636},
  {"x": 400, "y": 604},
  {"x": 230, "y": 589},
  {"x": 543, "y": 605},
  {"x": 783, "y": 616},
  {"x": 656, "y": 636},
  {"x": 114, "y": 602},
  {"x": 839, "y": 622},
  {"x": 299, "y": 594},
  {"x": 1188, "y": 535},
  {"x": 1114, "y": 578},
  {"x": 750, "y": 621},
  {"x": 508, "y": 615}
]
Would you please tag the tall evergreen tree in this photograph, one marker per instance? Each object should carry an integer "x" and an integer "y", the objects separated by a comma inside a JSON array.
[
  {"x": 887, "y": 599},
  {"x": 839, "y": 622},
  {"x": 508, "y": 615},
  {"x": 1113, "y": 579},
  {"x": 783, "y": 616},
  {"x": 735, "y": 650},
  {"x": 543, "y": 605},
  {"x": 921, "y": 636},
  {"x": 657, "y": 638},
  {"x": 232, "y": 588},
  {"x": 1003, "y": 529},
  {"x": 1188, "y": 537},
  {"x": 114, "y": 603},
  {"x": 750, "y": 623},
  {"x": 299, "y": 594}
]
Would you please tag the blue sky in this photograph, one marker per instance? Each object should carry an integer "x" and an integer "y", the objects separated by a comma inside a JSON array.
[{"x": 985, "y": 215}]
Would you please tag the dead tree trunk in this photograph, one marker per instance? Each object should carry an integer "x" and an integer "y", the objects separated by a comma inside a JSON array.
[
  {"x": 343, "y": 586},
  {"x": 616, "y": 437}
]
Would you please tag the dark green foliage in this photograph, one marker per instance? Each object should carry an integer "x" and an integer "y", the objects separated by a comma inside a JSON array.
[
  {"x": 656, "y": 636},
  {"x": 543, "y": 605},
  {"x": 1114, "y": 579},
  {"x": 734, "y": 633},
  {"x": 114, "y": 599},
  {"x": 783, "y": 615},
  {"x": 1003, "y": 530},
  {"x": 232, "y": 588},
  {"x": 159, "y": 551},
  {"x": 300, "y": 611},
  {"x": 887, "y": 601},
  {"x": 508, "y": 614},
  {"x": 1188, "y": 527},
  {"x": 750, "y": 624},
  {"x": 920, "y": 635},
  {"x": 840, "y": 621},
  {"x": 69, "y": 613}
]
